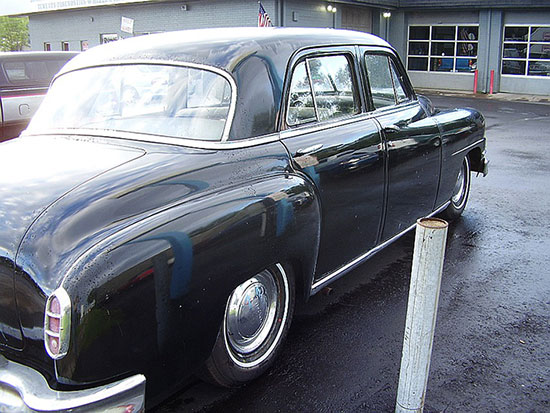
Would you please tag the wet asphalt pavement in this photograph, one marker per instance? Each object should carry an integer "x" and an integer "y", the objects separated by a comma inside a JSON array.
[{"x": 491, "y": 351}]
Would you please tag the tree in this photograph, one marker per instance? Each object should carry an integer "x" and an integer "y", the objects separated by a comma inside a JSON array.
[{"x": 14, "y": 33}]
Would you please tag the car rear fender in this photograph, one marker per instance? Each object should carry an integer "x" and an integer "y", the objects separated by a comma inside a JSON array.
[{"x": 155, "y": 292}]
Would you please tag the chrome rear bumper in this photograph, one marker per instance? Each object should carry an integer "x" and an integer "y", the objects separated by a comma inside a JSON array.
[{"x": 23, "y": 389}]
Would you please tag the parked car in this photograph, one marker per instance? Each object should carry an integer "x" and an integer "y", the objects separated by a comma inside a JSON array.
[
  {"x": 177, "y": 193},
  {"x": 24, "y": 80}
]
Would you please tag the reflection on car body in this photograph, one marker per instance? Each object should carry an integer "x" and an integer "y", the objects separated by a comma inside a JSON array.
[{"x": 193, "y": 186}]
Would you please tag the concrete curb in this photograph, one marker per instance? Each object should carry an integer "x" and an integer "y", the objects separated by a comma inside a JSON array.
[{"x": 511, "y": 97}]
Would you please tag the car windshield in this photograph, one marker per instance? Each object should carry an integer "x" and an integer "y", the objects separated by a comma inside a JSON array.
[{"x": 174, "y": 101}]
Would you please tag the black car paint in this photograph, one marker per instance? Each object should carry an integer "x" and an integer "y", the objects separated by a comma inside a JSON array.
[{"x": 150, "y": 242}]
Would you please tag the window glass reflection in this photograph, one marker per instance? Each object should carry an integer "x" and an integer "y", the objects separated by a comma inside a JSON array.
[
  {"x": 515, "y": 50},
  {"x": 439, "y": 64},
  {"x": 418, "y": 48},
  {"x": 443, "y": 49},
  {"x": 539, "y": 68},
  {"x": 539, "y": 51},
  {"x": 300, "y": 107},
  {"x": 468, "y": 32},
  {"x": 443, "y": 32},
  {"x": 466, "y": 65},
  {"x": 540, "y": 34},
  {"x": 516, "y": 33},
  {"x": 419, "y": 33},
  {"x": 418, "y": 63},
  {"x": 513, "y": 67},
  {"x": 466, "y": 49},
  {"x": 380, "y": 81}
]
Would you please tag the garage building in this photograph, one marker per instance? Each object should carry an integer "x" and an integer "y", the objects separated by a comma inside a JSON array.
[{"x": 441, "y": 42}]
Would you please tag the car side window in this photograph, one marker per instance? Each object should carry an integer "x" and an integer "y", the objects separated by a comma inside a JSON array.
[
  {"x": 398, "y": 84},
  {"x": 333, "y": 87},
  {"x": 330, "y": 78},
  {"x": 380, "y": 80}
]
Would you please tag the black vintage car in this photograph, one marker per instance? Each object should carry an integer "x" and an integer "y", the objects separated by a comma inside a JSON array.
[{"x": 176, "y": 193}]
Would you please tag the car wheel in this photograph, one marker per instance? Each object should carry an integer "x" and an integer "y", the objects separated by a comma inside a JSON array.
[
  {"x": 461, "y": 192},
  {"x": 257, "y": 317}
]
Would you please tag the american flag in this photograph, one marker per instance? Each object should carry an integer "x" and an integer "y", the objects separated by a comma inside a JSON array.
[{"x": 263, "y": 18}]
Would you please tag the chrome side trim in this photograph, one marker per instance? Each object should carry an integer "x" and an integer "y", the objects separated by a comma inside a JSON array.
[
  {"x": 340, "y": 272},
  {"x": 302, "y": 130},
  {"x": 25, "y": 389},
  {"x": 226, "y": 75},
  {"x": 188, "y": 143},
  {"x": 467, "y": 148}
]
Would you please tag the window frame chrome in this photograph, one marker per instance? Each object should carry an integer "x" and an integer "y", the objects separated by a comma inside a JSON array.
[{"x": 349, "y": 51}]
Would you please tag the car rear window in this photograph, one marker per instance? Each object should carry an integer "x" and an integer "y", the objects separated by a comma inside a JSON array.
[{"x": 173, "y": 101}]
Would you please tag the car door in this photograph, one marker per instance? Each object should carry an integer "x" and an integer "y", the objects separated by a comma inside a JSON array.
[
  {"x": 412, "y": 140},
  {"x": 339, "y": 147}
]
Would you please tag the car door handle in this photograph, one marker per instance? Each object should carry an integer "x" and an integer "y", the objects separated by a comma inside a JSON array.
[
  {"x": 309, "y": 149},
  {"x": 391, "y": 129}
]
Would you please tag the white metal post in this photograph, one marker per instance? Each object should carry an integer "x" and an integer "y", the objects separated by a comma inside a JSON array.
[{"x": 427, "y": 266}]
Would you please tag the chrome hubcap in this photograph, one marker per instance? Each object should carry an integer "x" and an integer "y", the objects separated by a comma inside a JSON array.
[
  {"x": 251, "y": 313},
  {"x": 460, "y": 187}
]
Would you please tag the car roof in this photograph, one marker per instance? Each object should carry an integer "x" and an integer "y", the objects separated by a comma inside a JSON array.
[{"x": 221, "y": 48}]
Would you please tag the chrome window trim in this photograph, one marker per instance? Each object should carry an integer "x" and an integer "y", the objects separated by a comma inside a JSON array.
[
  {"x": 226, "y": 145},
  {"x": 158, "y": 62},
  {"x": 305, "y": 58},
  {"x": 319, "y": 126},
  {"x": 308, "y": 71},
  {"x": 340, "y": 272},
  {"x": 333, "y": 123},
  {"x": 306, "y": 65},
  {"x": 187, "y": 143}
]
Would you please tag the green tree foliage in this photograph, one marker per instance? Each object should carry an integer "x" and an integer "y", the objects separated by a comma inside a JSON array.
[{"x": 14, "y": 33}]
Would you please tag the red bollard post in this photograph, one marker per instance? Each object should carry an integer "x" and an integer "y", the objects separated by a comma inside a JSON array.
[
  {"x": 492, "y": 82},
  {"x": 475, "y": 81}
]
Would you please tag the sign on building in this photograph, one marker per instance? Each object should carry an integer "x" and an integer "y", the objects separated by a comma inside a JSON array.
[
  {"x": 36, "y": 6},
  {"x": 127, "y": 25}
]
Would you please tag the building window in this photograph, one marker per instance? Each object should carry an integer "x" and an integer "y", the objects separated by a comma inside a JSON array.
[
  {"x": 47, "y": 47},
  {"x": 65, "y": 46},
  {"x": 443, "y": 48},
  {"x": 526, "y": 51}
]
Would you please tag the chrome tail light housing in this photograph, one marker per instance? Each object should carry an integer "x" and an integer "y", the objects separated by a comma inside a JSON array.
[{"x": 57, "y": 324}]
